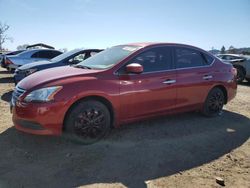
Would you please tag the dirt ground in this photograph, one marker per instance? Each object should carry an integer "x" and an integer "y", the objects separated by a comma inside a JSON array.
[{"x": 186, "y": 150}]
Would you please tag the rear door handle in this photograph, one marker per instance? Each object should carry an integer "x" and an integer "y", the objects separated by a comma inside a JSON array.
[
  {"x": 169, "y": 82},
  {"x": 207, "y": 77}
]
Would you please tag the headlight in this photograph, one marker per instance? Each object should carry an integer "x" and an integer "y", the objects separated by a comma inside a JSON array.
[
  {"x": 30, "y": 71},
  {"x": 43, "y": 94}
]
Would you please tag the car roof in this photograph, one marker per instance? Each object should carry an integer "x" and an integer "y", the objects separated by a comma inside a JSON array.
[
  {"x": 147, "y": 44},
  {"x": 36, "y": 50},
  {"x": 28, "y": 53},
  {"x": 236, "y": 55},
  {"x": 152, "y": 44}
]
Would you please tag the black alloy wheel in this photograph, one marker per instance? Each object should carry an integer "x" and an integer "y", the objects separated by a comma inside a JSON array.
[
  {"x": 214, "y": 103},
  {"x": 88, "y": 122}
]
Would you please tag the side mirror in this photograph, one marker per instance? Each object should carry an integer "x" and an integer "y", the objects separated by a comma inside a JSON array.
[{"x": 134, "y": 68}]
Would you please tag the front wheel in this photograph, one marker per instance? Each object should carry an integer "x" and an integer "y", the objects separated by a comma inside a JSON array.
[
  {"x": 88, "y": 122},
  {"x": 214, "y": 103}
]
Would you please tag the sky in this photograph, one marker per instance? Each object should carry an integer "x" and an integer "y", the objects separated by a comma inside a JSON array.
[{"x": 104, "y": 23}]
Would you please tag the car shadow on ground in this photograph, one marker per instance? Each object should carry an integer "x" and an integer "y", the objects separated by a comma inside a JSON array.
[
  {"x": 5, "y": 72},
  {"x": 245, "y": 83},
  {"x": 7, "y": 96},
  {"x": 6, "y": 80},
  {"x": 130, "y": 155}
]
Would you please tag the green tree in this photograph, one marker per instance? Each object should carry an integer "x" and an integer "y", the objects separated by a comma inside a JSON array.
[
  {"x": 22, "y": 47},
  {"x": 223, "y": 50},
  {"x": 232, "y": 50}
]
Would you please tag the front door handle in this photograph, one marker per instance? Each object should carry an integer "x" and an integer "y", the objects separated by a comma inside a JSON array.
[
  {"x": 169, "y": 82},
  {"x": 207, "y": 77}
]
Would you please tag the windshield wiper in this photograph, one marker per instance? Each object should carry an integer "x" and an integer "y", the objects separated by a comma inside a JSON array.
[{"x": 82, "y": 66}]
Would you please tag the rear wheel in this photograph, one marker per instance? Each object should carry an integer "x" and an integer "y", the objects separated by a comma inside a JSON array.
[
  {"x": 240, "y": 74},
  {"x": 88, "y": 122},
  {"x": 214, "y": 103},
  {"x": 248, "y": 79}
]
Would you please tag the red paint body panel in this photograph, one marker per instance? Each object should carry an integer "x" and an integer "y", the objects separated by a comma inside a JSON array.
[{"x": 133, "y": 97}]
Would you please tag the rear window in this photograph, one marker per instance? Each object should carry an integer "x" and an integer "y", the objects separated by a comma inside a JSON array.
[{"x": 46, "y": 54}]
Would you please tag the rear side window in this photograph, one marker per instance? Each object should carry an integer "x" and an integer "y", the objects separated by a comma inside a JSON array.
[
  {"x": 156, "y": 59},
  {"x": 209, "y": 59},
  {"x": 186, "y": 58}
]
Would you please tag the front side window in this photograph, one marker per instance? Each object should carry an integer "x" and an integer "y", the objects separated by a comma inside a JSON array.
[
  {"x": 155, "y": 59},
  {"x": 46, "y": 54},
  {"x": 77, "y": 59},
  {"x": 54, "y": 54},
  {"x": 186, "y": 58},
  {"x": 42, "y": 54}
]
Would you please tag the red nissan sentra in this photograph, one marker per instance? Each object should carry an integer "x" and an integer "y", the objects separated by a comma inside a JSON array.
[{"x": 122, "y": 84}]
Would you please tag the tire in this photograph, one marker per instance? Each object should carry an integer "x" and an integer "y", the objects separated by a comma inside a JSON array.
[
  {"x": 214, "y": 103},
  {"x": 248, "y": 79},
  {"x": 87, "y": 122},
  {"x": 240, "y": 74}
]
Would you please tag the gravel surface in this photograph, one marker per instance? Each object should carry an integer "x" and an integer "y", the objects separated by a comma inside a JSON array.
[{"x": 184, "y": 150}]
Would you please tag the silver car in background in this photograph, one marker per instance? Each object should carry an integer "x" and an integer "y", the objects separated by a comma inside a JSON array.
[
  {"x": 240, "y": 62},
  {"x": 29, "y": 56},
  {"x": 3, "y": 56}
]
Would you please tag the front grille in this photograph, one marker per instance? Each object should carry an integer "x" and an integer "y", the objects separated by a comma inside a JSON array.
[{"x": 18, "y": 92}]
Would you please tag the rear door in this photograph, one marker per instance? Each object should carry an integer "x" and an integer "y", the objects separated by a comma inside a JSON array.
[
  {"x": 151, "y": 91},
  {"x": 194, "y": 77}
]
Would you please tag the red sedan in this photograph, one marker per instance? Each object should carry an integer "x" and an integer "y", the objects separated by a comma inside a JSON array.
[{"x": 122, "y": 84}]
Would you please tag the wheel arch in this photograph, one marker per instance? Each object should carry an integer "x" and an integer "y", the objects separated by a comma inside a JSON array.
[{"x": 101, "y": 99}]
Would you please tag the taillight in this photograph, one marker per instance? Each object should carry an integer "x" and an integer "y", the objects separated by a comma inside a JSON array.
[
  {"x": 234, "y": 71},
  {"x": 8, "y": 62}
]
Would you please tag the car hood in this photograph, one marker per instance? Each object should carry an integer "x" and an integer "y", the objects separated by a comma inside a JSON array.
[
  {"x": 53, "y": 74},
  {"x": 34, "y": 65}
]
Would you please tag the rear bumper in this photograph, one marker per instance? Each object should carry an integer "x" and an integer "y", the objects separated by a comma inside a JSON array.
[{"x": 231, "y": 91}]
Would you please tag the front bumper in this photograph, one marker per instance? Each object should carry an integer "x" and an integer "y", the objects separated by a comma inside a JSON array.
[{"x": 39, "y": 118}]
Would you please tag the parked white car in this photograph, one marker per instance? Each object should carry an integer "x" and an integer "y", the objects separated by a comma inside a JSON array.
[{"x": 240, "y": 62}]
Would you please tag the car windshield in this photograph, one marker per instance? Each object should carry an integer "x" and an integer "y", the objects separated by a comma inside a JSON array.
[
  {"x": 109, "y": 57},
  {"x": 64, "y": 55}
]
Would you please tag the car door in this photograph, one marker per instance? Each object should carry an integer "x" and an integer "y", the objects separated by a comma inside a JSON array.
[
  {"x": 194, "y": 77},
  {"x": 153, "y": 90}
]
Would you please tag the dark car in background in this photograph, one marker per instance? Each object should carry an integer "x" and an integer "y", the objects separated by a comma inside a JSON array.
[
  {"x": 29, "y": 56},
  {"x": 2, "y": 57},
  {"x": 240, "y": 62},
  {"x": 68, "y": 58}
]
